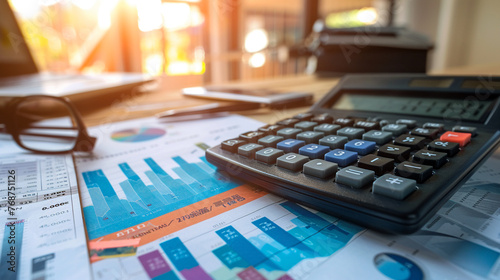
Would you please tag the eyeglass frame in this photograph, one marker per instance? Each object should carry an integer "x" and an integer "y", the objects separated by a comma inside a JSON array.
[{"x": 83, "y": 143}]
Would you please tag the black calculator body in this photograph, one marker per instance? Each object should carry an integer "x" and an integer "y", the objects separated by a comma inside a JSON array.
[{"x": 383, "y": 151}]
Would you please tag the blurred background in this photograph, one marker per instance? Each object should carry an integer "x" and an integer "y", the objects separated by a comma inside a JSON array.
[{"x": 216, "y": 41}]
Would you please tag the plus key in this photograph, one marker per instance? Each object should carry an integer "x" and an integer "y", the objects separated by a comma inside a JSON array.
[{"x": 457, "y": 137}]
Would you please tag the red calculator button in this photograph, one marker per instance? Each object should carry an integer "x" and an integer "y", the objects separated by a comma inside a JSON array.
[{"x": 457, "y": 137}]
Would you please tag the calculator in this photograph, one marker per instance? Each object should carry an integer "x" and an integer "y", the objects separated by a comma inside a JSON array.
[{"x": 383, "y": 151}]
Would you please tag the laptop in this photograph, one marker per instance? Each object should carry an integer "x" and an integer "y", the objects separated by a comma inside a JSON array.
[{"x": 19, "y": 75}]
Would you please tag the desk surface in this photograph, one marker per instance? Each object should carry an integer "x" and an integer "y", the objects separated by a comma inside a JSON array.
[
  {"x": 164, "y": 98},
  {"x": 167, "y": 96}
]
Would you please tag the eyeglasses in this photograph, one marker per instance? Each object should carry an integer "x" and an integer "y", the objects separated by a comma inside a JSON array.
[{"x": 46, "y": 124}]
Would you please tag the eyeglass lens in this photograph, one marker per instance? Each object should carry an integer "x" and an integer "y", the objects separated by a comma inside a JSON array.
[{"x": 46, "y": 125}]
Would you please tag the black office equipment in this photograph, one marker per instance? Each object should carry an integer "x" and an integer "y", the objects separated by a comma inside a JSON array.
[
  {"x": 368, "y": 49},
  {"x": 385, "y": 151}
]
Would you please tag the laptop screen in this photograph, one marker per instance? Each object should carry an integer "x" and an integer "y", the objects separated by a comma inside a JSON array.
[{"x": 15, "y": 57}]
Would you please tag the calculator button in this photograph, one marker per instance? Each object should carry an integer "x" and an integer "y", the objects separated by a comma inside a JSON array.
[
  {"x": 248, "y": 150},
  {"x": 327, "y": 128},
  {"x": 383, "y": 123},
  {"x": 232, "y": 145},
  {"x": 429, "y": 133},
  {"x": 270, "y": 140},
  {"x": 414, "y": 171},
  {"x": 467, "y": 129},
  {"x": 450, "y": 148},
  {"x": 288, "y": 122},
  {"x": 306, "y": 126},
  {"x": 362, "y": 147},
  {"x": 341, "y": 157},
  {"x": 378, "y": 164},
  {"x": 394, "y": 186},
  {"x": 411, "y": 141},
  {"x": 320, "y": 168},
  {"x": 409, "y": 123},
  {"x": 333, "y": 141},
  {"x": 366, "y": 125},
  {"x": 271, "y": 129},
  {"x": 251, "y": 136},
  {"x": 354, "y": 176},
  {"x": 314, "y": 151},
  {"x": 290, "y": 145},
  {"x": 268, "y": 155},
  {"x": 398, "y": 153},
  {"x": 458, "y": 137},
  {"x": 438, "y": 126},
  {"x": 343, "y": 122},
  {"x": 436, "y": 159},
  {"x": 351, "y": 132},
  {"x": 377, "y": 136},
  {"x": 395, "y": 129},
  {"x": 304, "y": 116},
  {"x": 310, "y": 136},
  {"x": 322, "y": 118},
  {"x": 292, "y": 161},
  {"x": 288, "y": 132}
]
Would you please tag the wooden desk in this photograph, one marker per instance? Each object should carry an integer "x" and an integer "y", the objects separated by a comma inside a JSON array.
[
  {"x": 167, "y": 96},
  {"x": 164, "y": 98}
]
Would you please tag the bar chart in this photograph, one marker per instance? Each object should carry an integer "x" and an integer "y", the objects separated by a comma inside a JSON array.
[
  {"x": 260, "y": 249},
  {"x": 109, "y": 213}
]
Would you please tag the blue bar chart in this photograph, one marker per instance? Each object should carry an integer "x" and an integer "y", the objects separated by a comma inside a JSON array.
[
  {"x": 110, "y": 213},
  {"x": 267, "y": 251}
]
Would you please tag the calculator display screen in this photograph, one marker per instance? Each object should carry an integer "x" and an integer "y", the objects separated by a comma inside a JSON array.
[{"x": 465, "y": 109}]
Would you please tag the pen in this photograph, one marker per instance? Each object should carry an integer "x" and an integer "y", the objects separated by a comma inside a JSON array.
[{"x": 210, "y": 109}]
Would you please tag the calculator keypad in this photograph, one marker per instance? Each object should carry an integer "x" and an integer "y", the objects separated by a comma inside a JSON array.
[{"x": 391, "y": 158}]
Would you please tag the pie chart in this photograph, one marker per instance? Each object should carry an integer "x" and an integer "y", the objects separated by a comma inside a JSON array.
[
  {"x": 397, "y": 267},
  {"x": 138, "y": 134}
]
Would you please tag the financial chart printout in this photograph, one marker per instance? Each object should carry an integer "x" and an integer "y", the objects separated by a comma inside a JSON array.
[
  {"x": 42, "y": 233},
  {"x": 150, "y": 181}
]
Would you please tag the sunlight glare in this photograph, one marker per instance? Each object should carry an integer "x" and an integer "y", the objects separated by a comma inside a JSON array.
[
  {"x": 256, "y": 40},
  {"x": 257, "y": 60},
  {"x": 149, "y": 12},
  {"x": 367, "y": 15}
]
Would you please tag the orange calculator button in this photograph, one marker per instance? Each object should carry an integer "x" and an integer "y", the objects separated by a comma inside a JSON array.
[{"x": 458, "y": 137}]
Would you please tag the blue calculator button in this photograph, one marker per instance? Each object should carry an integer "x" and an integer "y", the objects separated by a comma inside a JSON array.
[
  {"x": 314, "y": 151},
  {"x": 362, "y": 147},
  {"x": 341, "y": 157},
  {"x": 290, "y": 145}
]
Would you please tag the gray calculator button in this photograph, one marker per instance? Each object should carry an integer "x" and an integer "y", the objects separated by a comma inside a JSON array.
[
  {"x": 395, "y": 129},
  {"x": 288, "y": 132},
  {"x": 377, "y": 136},
  {"x": 354, "y": 176},
  {"x": 292, "y": 161},
  {"x": 249, "y": 150},
  {"x": 270, "y": 140},
  {"x": 320, "y": 168},
  {"x": 310, "y": 136},
  {"x": 306, "y": 125},
  {"x": 268, "y": 155},
  {"x": 394, "y": 186},
  {"x": 327, "y": 128},
  {"x": 333, "y": 141},
  {"x": 351, "y": 132}
]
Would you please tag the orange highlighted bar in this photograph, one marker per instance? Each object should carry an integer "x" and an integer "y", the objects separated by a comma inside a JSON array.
[
  {"x": 192, "y": 214},
  {"x": 457, "y": 137}
]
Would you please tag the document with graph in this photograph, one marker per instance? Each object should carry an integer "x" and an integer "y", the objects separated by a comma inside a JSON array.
[
  {"x": 42, "y": 231},
  {"x": 149, "y": 184}
]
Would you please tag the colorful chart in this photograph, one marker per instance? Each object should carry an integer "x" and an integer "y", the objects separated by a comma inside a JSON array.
[
  {"x": 398, "y": 267},
  {"x": 138, "y": 134}
]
